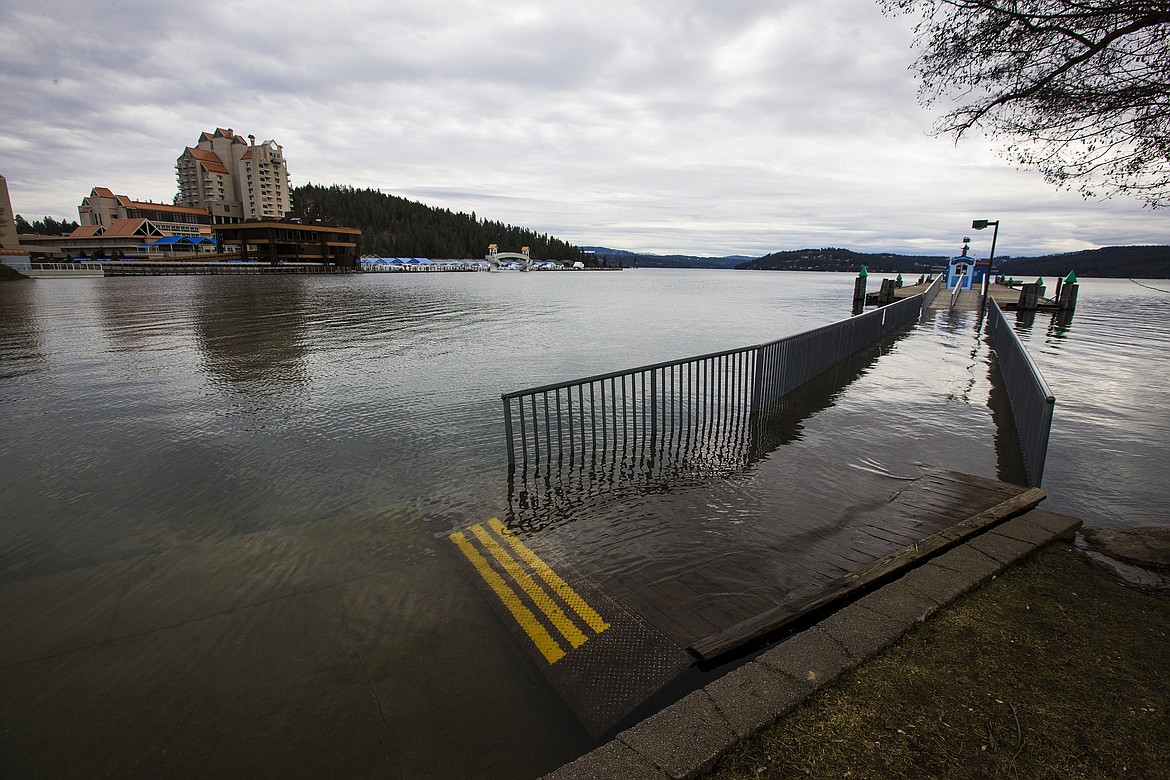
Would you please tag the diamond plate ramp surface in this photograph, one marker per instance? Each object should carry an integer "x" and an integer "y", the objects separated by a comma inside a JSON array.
[{"x": 600, "y": 656}]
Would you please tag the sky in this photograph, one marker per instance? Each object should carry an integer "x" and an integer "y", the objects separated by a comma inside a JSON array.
[{"x": 729, "y": 127}]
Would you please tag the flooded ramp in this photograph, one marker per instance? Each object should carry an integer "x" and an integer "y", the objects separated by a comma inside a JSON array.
[
  {"x": 600, "y": 656},
  {"x": 611, "y": 624}
]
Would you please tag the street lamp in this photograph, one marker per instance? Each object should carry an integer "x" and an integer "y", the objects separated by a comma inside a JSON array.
[{"x": 979, "y": 224}]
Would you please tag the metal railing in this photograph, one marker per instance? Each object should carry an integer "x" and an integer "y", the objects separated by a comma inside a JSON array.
[
  {"x": 958, "y": 288},
  {"x": 65, "y": 266},
  {"x": 700, "y": 404},
  {"x": 932, "y": 291},
  {"x": 1031, "y": 401}
]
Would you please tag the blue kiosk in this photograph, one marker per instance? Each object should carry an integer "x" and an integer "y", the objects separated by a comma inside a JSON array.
[{"x": 965, "y": 270}]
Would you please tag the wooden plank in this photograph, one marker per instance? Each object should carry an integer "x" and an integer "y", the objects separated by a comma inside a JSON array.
[
  {"x": 772, "y": 620},
  {"x": 899, "y": 536},
  {"x": 983, "y": 483}
]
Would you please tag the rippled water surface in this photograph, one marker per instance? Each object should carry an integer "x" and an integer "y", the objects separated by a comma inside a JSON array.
[{"x": 227, "y": 500}]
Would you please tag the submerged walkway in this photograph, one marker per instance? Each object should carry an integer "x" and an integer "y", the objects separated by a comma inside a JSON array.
[
  {"x": 970, "y": 300},
  {"x": 627, "y": 578},
  {"x": 686, "y": 738},
  {"x": 610, "y": 630}
]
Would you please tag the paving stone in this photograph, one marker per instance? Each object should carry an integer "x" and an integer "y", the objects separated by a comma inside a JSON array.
[
  {"x": 1064, "y": 526},
  {"x": 1003, "y": 549},
  {"x": 943, "y": 586},
  {"x": 811, "y": 657},
  {"x": 1027, "y": 528},
  {"x": 684, "y": 739},
  {"x": 612, "y": 761},
  {"x": 967, "y": 560},
  {"x": 863, "y": 632},
  {"x": 901, "y": 602},
  {"x": 754, "y": 695}
]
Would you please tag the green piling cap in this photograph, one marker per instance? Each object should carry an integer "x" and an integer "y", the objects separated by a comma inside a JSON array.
[
  {"x": 1040, "y": 280},
  {"x": 864, "y": 273},
  {"x": 1071, "y": 278},
  {"x": 899, "y": 277}
]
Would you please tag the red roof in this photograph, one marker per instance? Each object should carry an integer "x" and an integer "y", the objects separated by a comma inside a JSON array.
[
  {"x": 102, "y": 192},
  {"x": 210, "y": 160},
  {"x": 167, "y": 207},
  {"x": 130, "y": 227},
  {"x": 87, "y": 231}
]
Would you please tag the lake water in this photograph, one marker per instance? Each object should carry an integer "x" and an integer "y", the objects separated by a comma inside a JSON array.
[{"x": 227, "y": 501}]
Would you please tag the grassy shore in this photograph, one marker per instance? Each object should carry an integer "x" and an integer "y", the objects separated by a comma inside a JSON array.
[
  {"x": 9, "y": 274},
  {"x": 1052, "y": 670}
]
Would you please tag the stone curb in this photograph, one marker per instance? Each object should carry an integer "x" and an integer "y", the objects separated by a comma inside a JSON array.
[{"x": 688, "y": 737}]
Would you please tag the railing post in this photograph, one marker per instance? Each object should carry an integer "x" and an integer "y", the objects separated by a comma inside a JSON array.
[
  {"x": 653, "y": 407},
  {"x": 859, "y": 291},
  {"x": 508, "y": 430},
  {"x": 758, "y": 379}
]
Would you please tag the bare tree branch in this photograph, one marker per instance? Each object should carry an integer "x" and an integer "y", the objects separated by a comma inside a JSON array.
[{"x": 1079, "y": 89}]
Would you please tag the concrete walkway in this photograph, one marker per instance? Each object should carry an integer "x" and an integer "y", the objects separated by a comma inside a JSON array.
[{"x": 685, "y": 739}]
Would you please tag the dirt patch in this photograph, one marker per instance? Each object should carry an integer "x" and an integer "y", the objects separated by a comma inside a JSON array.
[{"x": 1051, "y": 670}]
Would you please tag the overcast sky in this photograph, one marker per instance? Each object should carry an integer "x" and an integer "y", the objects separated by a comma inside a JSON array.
[{"x": 712, "y": 128}]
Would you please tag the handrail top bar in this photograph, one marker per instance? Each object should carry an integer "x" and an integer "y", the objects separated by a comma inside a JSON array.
[
  {"x": 1049, "y": 398},
  {"x": 693, "y": 359},
  {"x": 624, "y": 372}
]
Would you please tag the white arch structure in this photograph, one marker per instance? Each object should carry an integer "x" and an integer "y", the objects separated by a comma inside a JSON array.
[{"x": 494, "y": 256}]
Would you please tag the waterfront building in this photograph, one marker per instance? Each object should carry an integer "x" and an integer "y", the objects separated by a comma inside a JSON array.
[
  {"x": 234, "y": 179},
  {"x": 134, "y": 238},
  {"x": 102, "y": 208},
  {"x": 8, "y": 236},
  {"x": 276, "y": 241},
  {"x": 11, "y": 253}
]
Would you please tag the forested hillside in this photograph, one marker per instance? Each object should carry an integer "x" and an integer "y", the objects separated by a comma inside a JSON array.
[
  {"x": 833, "y": 259},
  {"x": 1140, "y": 262},
  {"x": 396, "y": 227},
  {"x": 1148, "y": 262}
]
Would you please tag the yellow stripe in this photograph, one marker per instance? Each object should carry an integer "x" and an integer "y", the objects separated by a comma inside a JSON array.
[
  {"x": 534, "y": 591},
  {"x": 567, "y": 594},
  {"x": 536, "y": 632}
]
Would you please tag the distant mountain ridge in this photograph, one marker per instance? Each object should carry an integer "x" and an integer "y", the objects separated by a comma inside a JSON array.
[
  {"x": 835, "y": 259},
  {"x": 623, "y": 257},
  {"x": 1146, "y": 262},
  {"x": 1139, "y": 262}
]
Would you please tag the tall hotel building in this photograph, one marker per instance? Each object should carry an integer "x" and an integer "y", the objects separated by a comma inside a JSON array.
[{"x": 234, "y": 179}]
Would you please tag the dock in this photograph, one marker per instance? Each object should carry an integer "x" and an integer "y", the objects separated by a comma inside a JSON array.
[
  {"x": 624, "y": 615},
  {"x": 659, "y": 619},
  {"x": 1007, "y": 297}
]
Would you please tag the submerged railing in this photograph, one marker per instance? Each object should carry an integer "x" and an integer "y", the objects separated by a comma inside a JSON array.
[
  {"x": 1031, "y": 401},
  {"x": 697, "y": 405}
]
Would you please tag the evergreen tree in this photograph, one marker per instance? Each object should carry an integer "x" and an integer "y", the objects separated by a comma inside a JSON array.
[{"x": 396, "y": 227}]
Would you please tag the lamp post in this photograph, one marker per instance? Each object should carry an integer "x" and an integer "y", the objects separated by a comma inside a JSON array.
[{"x": 979, "y": 224}]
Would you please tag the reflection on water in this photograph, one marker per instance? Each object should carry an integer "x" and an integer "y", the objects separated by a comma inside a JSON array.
[
  {"x": 21, "y": 350},
  {"x": 252, "y": 333},
  {"x": 1107, "y": 366},
  {"x": 723, "y": 447},
  {"x": 226, "y": 500}
]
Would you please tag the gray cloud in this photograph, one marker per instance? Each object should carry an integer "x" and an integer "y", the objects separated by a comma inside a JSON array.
[{"x": 741, "y": 127}]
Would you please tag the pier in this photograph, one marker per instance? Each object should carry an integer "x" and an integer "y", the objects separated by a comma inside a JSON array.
[
  {"x": 1009, "y": 297},
  {"x": 658, "y": 430}
]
